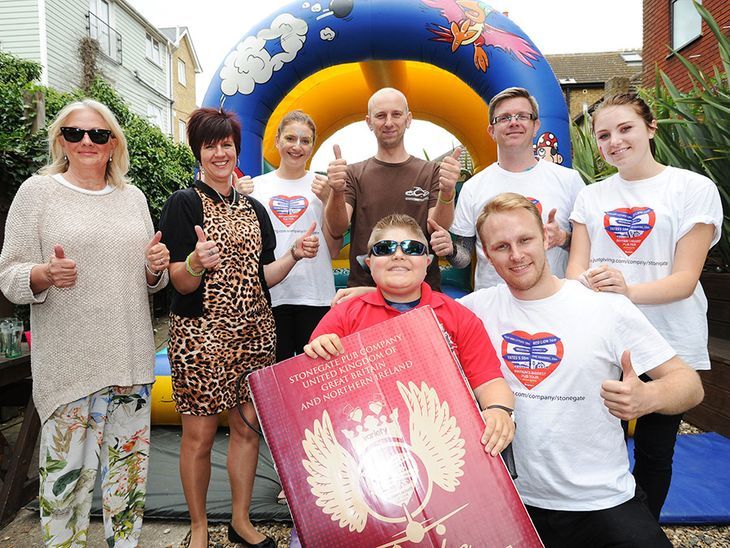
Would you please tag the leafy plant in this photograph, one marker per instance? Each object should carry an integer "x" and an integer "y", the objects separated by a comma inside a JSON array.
[
  {"x": 587, "y": 160},
  {"x": 694, "y": 127}
]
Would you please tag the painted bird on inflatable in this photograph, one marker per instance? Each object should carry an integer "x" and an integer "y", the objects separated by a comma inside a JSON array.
[{"x": 467, "y": 26}]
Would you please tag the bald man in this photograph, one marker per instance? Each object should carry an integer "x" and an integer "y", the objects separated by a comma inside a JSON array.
[{"x": 392, "y": 181}]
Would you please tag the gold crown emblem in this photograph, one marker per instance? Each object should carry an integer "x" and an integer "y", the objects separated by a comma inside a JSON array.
[{"x": 373, "y": 428}]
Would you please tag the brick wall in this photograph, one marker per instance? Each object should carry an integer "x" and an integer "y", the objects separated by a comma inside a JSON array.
[
  {"x": 576, "y": 96},
  {"x": 702, "y": 52}
]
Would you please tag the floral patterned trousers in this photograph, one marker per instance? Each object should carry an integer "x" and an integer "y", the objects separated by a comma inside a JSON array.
[{"x": 110, "y": 427}]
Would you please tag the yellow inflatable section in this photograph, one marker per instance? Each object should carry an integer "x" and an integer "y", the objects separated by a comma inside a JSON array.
[{"x": 337, "y": 96}]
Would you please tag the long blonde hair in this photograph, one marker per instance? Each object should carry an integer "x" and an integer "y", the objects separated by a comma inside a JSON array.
[{"x": 116, "y": 170}]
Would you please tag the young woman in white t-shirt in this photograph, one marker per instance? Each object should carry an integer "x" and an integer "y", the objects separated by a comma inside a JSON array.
[
  {"x": 645, "y": 233},
  {"x": 294, "y": 199}
]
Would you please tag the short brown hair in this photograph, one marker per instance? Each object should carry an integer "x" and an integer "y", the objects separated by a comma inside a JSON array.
[
  {"x": 210, "y": 125},
  {"x": 507, "y": 201},
  {"x": 513, "y": 93},
  {"x": 297, "y": 116},
  {"x": 396, "y": 220},
  {"x": 628, "y": 99}
]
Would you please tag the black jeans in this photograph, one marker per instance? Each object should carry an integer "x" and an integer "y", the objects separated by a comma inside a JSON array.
[
  {"x": 654, "y": 439},
  {"x": 628, "y": 525},
  {"x": 294, "y": 325}
]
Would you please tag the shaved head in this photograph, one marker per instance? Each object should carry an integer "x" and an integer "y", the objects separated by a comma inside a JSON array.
[{"x": 386, "y": 92}]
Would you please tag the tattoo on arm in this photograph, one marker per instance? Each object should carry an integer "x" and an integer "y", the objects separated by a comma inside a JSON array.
[{"x": 463, "y": 249}]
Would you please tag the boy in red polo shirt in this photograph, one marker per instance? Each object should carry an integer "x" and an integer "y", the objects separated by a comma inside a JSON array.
[{"x": 398, "y": 259}]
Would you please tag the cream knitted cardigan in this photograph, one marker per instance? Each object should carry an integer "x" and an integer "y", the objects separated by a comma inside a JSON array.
[{"x": 99, "y": 332}]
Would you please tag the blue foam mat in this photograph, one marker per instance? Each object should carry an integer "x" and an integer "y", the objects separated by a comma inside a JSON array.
[{"x": 700, "y": 490}]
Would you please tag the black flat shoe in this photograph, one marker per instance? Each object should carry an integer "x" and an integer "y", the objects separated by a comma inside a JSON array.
[{"x": 233, "y": 536}]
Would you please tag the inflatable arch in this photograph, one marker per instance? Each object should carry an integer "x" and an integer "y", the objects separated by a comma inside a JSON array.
[{"x": 448, "y": 56}]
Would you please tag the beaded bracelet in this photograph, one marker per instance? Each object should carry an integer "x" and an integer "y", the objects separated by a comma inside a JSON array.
[
  {"x": 190, "y": 268},
  {"x": 294, "y": 255}
]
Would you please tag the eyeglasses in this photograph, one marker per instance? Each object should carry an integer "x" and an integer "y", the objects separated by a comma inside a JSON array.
[
  {"x": 75, "y": 134},
  {"x": 383, "y": 248},
  {"x": 507, "y": 118}
]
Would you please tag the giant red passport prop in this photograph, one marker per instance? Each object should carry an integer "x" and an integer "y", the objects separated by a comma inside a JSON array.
[{"x": 381, "y": 445}]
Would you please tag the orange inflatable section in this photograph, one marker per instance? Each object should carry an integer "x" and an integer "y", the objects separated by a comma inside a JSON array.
[{"x": 337, "y": 97}]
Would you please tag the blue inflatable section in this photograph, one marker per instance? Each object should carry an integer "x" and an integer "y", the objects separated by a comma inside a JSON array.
[
  {"x": 700, "y": 490},
  {"x": 162, "y": 364},
  {"x": 306, "y": 37}
]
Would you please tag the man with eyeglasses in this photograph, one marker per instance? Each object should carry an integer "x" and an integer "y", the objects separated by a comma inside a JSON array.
[
  {"x": 391, "y": 181},
  {"x": 397, "y": 260},
  {"x": 552, "y": 188}
]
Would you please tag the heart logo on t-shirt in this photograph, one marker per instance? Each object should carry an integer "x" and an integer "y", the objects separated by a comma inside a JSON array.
[
  {"x": 537, "y": 203},
  {"x": 628, "y": 227},
  {"x": 532, "y": 358},
  {"x": 288, "y": 208}
]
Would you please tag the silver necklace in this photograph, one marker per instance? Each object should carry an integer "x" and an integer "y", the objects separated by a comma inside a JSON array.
[{"x": 228, "y": 204}]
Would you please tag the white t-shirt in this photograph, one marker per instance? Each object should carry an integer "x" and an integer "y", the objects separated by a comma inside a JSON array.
[
  {"x": 548, "y": 185},
  {"x": 634, "y": 226},
  {"x": 555, "y": 353},
  {"x": 292, "y": 207}
]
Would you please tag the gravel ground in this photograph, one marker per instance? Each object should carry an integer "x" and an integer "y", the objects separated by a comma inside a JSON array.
[
  {"x": 709, "y": 536},
  {"x": 702, "y": 536}
]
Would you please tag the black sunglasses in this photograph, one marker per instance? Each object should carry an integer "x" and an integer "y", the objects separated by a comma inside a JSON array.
[
  {"x": 383, "y": 248},
  {"x": 75, "y": 134}
]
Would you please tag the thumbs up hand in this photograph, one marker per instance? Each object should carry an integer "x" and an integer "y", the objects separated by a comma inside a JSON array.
[
  {"x": 244, "y": 185},
  {"x": 156, "y": 254},
  {"x": 307, "y": 246},
  {"x": 449, "y": 171},
  {"x": 61, "y": 272},
  {"x": 628, "y": 398},
  {"x": 320, "y": 187},
  {"x": 556, "y": 236},
  {"x": 206, "y": 254},
  {"x": 440, "y": 240},
  {"x": 337, "y": 171}
]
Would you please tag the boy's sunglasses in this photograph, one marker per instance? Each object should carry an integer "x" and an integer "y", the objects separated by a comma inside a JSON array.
[
  {"x": 75, "y": 134},
  {"x": 383, "y": 248}
]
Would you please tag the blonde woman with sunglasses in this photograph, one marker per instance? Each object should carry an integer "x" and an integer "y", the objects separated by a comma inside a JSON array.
[{"x": 80, "y": 248}]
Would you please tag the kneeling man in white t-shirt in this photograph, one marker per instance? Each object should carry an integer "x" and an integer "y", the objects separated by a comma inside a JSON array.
[{"x": 563, "y": 349}]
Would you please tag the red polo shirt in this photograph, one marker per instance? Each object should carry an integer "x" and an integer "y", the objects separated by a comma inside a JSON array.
[{"x": 470, "y": 341}]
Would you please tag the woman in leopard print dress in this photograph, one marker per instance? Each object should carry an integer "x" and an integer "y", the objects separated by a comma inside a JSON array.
[{"x": 221, "y": 265}]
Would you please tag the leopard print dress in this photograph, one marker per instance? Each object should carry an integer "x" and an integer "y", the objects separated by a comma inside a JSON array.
[{"x": 236, "y": 332}]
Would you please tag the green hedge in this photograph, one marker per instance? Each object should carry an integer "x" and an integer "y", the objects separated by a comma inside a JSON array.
[{"x": 158, "y": 166}]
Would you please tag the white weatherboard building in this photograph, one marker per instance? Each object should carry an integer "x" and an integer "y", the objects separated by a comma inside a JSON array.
[{"x": 134, "y": 56}]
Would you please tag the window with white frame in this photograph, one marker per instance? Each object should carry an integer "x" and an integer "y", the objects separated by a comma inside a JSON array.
[
  {"x": 182, "y": 132},
  {"x": 153, "y": 50},
  {"x": 686, "y": 23},
  {"x": 181, "y": 77},
  {"x": 154, "y": 114},
  {"x": 99, "y": 25}
]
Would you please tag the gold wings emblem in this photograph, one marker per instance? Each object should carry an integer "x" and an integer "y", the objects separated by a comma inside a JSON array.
[
  {"x": 435, "y": 437},
  {"x": 333, "y": 476}
]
